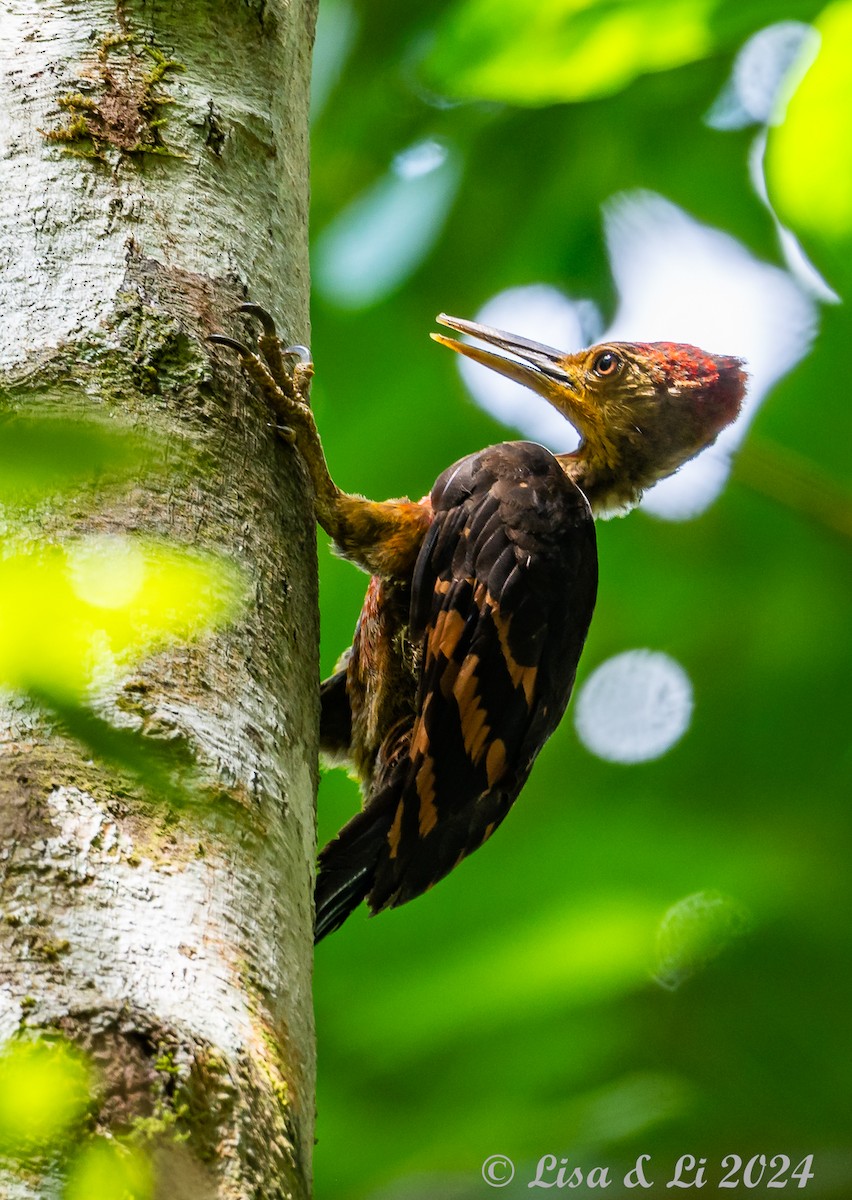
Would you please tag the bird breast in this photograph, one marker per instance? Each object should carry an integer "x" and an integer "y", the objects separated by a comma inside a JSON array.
[{"x": 382, "y": 674}]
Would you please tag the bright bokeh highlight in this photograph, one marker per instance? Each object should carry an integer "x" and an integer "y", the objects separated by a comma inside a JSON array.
[
  {"x": 809, "y": 158},
  {"x": 562, "y": 50},
  {"x": 337, "y": 26},
  {"x": 107, "y": 1170},
  {"x": 375, "y": 243},
  {"x": 761, "y": 75},
  {"x": 69, "y": 615},
  {"x": 45, "y": 1089},
  {"x": 547, "y": 315},
  {"x": 679, "y": 280},
  {"x": 634, "y": 707}
]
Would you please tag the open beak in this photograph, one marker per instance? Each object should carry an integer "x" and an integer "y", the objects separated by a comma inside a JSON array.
[{"x": 541, "y": 367}]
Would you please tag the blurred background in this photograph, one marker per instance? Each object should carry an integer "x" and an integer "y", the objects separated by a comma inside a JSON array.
[{"x": 652, "y": 956}]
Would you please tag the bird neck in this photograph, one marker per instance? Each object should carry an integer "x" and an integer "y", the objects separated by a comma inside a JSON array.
[{"x": 610, "y": 492}]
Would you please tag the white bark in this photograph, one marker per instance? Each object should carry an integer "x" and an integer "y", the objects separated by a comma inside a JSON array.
[{"x": 134, "y": 933}]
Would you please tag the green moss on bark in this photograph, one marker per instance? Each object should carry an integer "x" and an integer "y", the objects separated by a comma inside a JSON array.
[{"x": 118, "y": 110}]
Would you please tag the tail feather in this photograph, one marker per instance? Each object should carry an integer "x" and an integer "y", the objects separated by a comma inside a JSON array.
[{"x": 347, "y": 868}]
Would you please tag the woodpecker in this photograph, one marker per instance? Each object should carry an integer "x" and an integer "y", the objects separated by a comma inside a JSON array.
[{"x": 481, "y": 593}]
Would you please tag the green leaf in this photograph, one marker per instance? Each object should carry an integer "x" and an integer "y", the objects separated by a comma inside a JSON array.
[
  {"x": 161, "y": 767},
  {"x": 45, "y": 456},
  {"x": 71, "y": 616},
  {"x": 563, "y": 50},
  {"x": 108, "y": 1170},
  {"x": 44, "y": 1091},
  {"x": 809, "y": 156},
  {"x": 695, "y": 931}
]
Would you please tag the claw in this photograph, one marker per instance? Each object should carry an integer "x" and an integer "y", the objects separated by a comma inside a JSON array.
[
  {"x": 281, "y": 384},
  {"x": 219, "y": 339},
  {"x": 298, "y": 351},
  {"x": 268, "y": 325},
  {"x": 254, "y": 310}
]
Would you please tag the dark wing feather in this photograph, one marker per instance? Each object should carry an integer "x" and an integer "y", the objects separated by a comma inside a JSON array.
[
  {"x": 503, "y": 593},
  {"x": 335, "y": 716}
]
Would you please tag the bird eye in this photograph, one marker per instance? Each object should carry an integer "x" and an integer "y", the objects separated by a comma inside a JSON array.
[{"x": 606, "y": 364}]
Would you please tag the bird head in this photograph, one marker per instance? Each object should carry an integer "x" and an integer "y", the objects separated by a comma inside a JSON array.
[{"x": 642, "y": 409}]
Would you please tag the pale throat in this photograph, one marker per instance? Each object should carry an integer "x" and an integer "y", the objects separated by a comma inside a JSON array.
[
  {"x": 612, "y": 489},
  {"x": 608, "y": 494}
]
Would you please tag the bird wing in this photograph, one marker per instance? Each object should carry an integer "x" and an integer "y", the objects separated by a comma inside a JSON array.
[{"x": 502, "y": 594}]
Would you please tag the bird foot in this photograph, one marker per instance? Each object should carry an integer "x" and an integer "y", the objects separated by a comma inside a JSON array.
[{"x": 285, "y": 388}]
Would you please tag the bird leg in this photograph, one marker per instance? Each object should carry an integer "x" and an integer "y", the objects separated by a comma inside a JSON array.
[{"x": 382, "y": 538}]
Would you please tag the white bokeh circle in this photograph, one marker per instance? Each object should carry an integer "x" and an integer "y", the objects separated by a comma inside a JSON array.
[{"x": 634, "y": 707}]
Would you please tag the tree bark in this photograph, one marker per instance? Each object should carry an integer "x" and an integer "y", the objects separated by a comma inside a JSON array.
[{"x": 176, "y": 949}]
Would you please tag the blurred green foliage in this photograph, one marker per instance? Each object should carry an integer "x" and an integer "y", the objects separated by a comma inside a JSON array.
[
  {"x": 45, "y": 1089},
  {"x": 108, "y": 1170},
  {"x": 810, "y": 153},
  {"x": 47, "y": 457},
  {"x": 74, "y": 615},
  {"x": 561, "y": 50},
  {"x": 645, "y": 959}
]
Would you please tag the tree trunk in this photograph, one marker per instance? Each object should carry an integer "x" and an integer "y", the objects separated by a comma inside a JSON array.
[{"x": 176, "y": 949}]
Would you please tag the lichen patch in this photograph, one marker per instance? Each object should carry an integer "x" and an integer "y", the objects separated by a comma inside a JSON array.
[{"x": 118, "y": 109}]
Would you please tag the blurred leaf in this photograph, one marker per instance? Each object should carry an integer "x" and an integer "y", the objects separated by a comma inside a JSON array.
[
  {"x": 561, "y": 50},
  {"x": 161, "y": 767},
  {"x": 335, "y": 34},
  {"x": 809, "y": 156},
  {"x": 44, "y": 456},
  {"x": 382, "y": 236},
  {"x": 695, "y": 931},
  {"x": 106, "y": 1170},
  {"x": 71, "y": 615},
  {"x": 45, "y": 1089}
]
